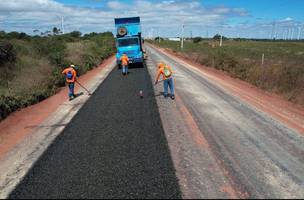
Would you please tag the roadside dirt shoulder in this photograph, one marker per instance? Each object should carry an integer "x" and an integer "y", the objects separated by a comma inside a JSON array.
[
  {"x": 199, "y": 173},
  {"x": 280, "y": 109},
  {"x": 21, "y": 123}
]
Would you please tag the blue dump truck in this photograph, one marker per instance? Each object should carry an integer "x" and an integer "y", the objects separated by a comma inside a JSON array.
[{"x": 128, "y": 40}]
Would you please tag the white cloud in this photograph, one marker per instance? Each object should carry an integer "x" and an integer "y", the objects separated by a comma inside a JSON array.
[
  {"x": 29, "y": 6},
  {"x": 165, "y": 16},
  {"x": 287, "y": 19},
  {"x": 116, "y": 5}
]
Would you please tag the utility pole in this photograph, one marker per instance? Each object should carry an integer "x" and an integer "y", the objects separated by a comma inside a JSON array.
[
  {"x": 158, "y": 35},
  {"x": 275, "y": 31},
  {"x": 299, "y": 33},
  {"x": 182, "y": 37},
  {"x": 62, "y": 24},
  {"x": 221, "y": 40},
  {"x": 272, "y": 32},
  {"x": 287, "y": 36},
  {"x": 292, "y": 31}
]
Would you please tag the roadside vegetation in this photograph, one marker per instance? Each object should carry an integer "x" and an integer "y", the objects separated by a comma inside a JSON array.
[
  {"x": 30, "y": 66},
  {"x": 281, "y": 71}
]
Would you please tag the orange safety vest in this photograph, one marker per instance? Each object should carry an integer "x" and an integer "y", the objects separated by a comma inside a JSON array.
[
  {"x": 124, "y": 60},
  {"x": 65, "y": 72},
  {"x": 161, "y": 72}
]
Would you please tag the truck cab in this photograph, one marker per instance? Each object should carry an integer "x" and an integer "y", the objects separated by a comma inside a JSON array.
[{"x": 128, "y": 40}]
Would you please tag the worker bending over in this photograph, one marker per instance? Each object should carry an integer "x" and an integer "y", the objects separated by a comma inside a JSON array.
[
  {"x": 166, "y": 72},
  {"x": 70, "y": 75}
]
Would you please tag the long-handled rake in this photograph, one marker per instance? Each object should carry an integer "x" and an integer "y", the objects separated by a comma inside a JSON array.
[
  {"x": 159, "y": 82},
  {"x": 89, "y": 93}
]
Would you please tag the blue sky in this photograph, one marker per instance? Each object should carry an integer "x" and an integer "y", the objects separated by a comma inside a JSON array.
[{"x": 233, "y": 18}]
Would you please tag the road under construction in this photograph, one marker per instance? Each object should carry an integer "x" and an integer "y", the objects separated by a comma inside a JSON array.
[{"x": 213, "y": 141}]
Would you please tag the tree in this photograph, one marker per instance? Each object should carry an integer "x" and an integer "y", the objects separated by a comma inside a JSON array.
[
  {"x": 13, "y": 35},
  {"x": 2, "y": 34},
  {"x": 7, "y": 52},
  {"x": 218, "y": 37},
  {"x": 56, "y": 31},
  {"x": 22, "y": 36},
  {"x": 197, "y": 39},
  {"x": 75, "y": 34},
  {"x": 159, "y": 38}
]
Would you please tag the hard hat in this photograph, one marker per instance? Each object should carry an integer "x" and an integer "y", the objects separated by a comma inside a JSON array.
[
  {"x": 75, "y": 67},
  {"x": 160, "y": 65}
]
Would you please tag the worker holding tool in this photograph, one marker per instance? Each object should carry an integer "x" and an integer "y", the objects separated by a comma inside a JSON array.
[
  {"x": 70, "y": 75},
  {"x": 124, "y": 62},
  {"x": 166, "y": 72}
]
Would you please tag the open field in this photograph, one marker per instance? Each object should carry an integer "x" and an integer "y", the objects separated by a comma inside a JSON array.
[{"x": 282, "y": 71}]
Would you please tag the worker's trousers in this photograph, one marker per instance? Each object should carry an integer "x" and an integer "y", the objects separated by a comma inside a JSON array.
[
  {"x": 125, "y": 69},
  {"x": 168, "y": 83},
  {"x": 71, "y": 89}
]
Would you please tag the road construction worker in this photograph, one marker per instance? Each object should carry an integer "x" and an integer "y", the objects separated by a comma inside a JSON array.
[
  {"x": 124, "y": 63},
  {"x": 70, "y": 75},
  {"x": 166, "y": 72}
]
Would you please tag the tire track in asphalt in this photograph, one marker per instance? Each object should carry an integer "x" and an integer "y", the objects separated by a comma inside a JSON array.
[{"x": 115, "y": 147}]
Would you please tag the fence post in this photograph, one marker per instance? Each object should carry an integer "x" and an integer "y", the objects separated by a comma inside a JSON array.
[{"x": 263, "y": 57}]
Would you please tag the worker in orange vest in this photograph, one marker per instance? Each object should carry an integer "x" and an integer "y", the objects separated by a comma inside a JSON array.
[
  {"x": 166, "y": 72},
  {"x": 124, "y": 63},
  {"x": 70, "y": 75}
]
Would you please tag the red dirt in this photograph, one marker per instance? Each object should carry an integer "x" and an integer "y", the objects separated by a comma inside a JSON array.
[
  {"x": 280, "y": 109},
  {"x": 201, "y": 141},
  {"x": 195, "y": 131},
  {"x": 21, "y": 123},
  {"x": 229, "y": 190}
]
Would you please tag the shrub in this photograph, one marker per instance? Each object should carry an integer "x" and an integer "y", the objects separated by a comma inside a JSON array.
[
  {"x": 44, "y": 58},
  {"x": 218, "y": 37},
  {"x": 53, "y": 48},
  {"x": 7, "y": 52},
  {"x": 75, "y": 34},
  {"x": 197, "y": 39},
  {"x": 8, "y": 104}
]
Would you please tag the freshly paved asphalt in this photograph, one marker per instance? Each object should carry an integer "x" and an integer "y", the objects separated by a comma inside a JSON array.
[{"x": 115, "y": 147}]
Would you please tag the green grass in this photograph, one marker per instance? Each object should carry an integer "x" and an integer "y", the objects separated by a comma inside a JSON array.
[
  {"x": 36, "y": 72},
  {"x": 282, "y": 71}
]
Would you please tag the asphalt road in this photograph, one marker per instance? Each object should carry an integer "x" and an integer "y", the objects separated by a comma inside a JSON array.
[
  {"x": 115, "y": 147},
  {"x": 206, "y": 144},
  {"x": 257, "y": 155}
]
